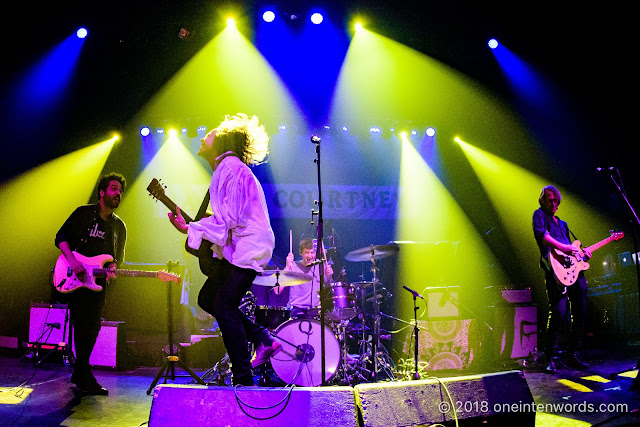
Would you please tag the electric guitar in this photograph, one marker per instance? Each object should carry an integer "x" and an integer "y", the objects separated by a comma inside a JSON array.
[
  {"x": 66, "y": 281},
  {"x": 204, "y": 253},
  {"x": 567, "y": 267}
]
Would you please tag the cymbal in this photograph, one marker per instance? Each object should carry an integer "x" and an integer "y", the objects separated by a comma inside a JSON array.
[
  {"x": 282, "y": 277},
  {"x": 372, "y": 252}
]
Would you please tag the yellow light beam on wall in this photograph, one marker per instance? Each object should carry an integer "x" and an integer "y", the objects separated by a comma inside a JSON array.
[{"x": 429, "y": 214}]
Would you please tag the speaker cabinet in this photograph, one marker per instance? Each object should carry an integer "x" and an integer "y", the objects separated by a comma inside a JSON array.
[
  {"x": 110, "y": 349},
  {"x": 194, "y": 405},
  {"x": 497, "y": 399}
]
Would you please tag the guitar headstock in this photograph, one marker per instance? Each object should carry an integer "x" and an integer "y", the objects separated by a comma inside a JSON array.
[
  {"x": 165, "y": 276},
  {"x": 156, "y": 188},
  {"x": 616, "y": 235}
]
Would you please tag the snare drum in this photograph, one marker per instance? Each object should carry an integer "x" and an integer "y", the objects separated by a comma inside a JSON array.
[
  {"x": 301, "y": 345},
  {"x": 343, "y": 298},
  {"x": 271, "y": 317}
]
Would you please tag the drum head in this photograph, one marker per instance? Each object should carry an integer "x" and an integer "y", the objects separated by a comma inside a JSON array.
[{"x": 300, "y": 361}]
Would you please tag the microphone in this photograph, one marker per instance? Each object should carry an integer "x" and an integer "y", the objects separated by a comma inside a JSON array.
[
  {"x": 54, "y": 325},
  {"x": 415, "y": 294},
  {"x": 610, "y": 169},
  {"x": 315, "y": 139}
]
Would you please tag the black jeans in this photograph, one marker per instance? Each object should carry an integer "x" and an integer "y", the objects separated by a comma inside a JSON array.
[
  {"x": 85, "y": 309},
  {"x": 575, "y": 297},
  {"x": 220, "y": 296}
]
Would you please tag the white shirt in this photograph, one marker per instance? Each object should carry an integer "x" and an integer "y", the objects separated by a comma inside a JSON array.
[{"x": 239, "y": 227}]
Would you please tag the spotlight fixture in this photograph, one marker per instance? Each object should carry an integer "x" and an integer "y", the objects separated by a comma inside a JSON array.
[
  {"x": 430, "y": 132},
  {"x": 268, "y": 16},
  {"x": 82, "y": 33},
  {"x": 317, "y": 18},
  {"x": 493, "y": 43},
  {"x": 145, "y": 131}
]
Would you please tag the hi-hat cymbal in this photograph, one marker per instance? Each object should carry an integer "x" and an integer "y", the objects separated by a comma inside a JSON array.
[
  {"x": 372, "y": 252},
  {"x": 282, "y": 278}
]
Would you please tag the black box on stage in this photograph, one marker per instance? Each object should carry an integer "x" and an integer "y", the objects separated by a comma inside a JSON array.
[
  {"x": 110, "y": 350},
  {"x": 48, "y": 324}
]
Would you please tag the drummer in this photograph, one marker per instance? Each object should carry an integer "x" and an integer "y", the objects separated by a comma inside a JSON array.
[{"x": 304, "y": 299}]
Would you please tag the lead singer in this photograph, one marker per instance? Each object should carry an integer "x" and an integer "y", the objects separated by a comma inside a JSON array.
[{"x": 241, "y": 236}]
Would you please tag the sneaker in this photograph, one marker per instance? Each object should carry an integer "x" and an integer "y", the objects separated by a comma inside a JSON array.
[
  {"x": 264, "y": 353},
  {"x": 575, "y": 363}
]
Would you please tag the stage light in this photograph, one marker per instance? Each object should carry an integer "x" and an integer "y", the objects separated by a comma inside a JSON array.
[
  {"x": 231, "y": 23},
  {"x": 430, "y": 132},
  {"x": 345, "y": 129},
  {"x": 172, "y": 132},
  {"x": 375, "y": 129},
  {"x": 145, "y": 131},
  {"x": 317, "y": 18},
  {"x": 82, "y": 33},
  {"x": 160, "y": 131},
  {"x": 493, "y": 43},
  {"x": 358, "y": 26},
  {"x": 268, "y": 16},
  {"x": 185, "y": 131}
]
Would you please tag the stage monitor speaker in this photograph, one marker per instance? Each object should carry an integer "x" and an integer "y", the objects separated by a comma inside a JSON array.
[
  {"x": 214, "y": 406},
  {"x": 442, "y": 302},
  {"x": 496, "y": 399},
  {"x": 48, "y": 323}
]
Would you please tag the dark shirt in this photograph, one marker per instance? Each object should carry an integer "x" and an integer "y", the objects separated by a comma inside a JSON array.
[
  {"x": 89, "y": 235},
  {"x": 543, "y": 223}
]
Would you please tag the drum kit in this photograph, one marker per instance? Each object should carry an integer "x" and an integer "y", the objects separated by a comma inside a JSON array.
[{"x": 351, "y": 311}]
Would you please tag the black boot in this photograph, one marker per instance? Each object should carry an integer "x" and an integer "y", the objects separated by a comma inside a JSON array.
[{"x": 550, "y": 367}]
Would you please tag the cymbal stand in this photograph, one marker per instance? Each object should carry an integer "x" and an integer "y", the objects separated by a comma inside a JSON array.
[
  {"x": 172, "y": 359},
  {"x": 375, "y": 341}
]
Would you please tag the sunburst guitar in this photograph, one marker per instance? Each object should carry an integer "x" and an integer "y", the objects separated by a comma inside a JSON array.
[
  {"x": 66, "y": 281},
  {"x": 568, "y": 267}
]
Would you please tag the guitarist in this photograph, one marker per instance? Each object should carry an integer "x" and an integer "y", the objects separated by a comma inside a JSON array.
[
  {"x": 92, "y": 230},
  {"x": 240, "y": 234},
  {"x": 553, "y": 233}
]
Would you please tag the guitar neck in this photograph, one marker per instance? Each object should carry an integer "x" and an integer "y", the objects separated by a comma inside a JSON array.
[
  {"x": 172, "y": 207},
  {"x": 600, "y": 244},
  {"x": 130, "y": 273}
]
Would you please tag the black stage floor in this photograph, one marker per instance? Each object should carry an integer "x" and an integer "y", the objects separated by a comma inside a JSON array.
[{"x": 46, "y": 398}]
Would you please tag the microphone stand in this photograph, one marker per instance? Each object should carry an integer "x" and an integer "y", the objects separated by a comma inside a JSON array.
[
  {"x": 635, "y": 384},
  {"x": 320, "y": 254},
  {"x": 416, "y": 375}
]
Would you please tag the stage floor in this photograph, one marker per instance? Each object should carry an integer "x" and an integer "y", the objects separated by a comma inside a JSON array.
[{"x": 46, "y": 398}]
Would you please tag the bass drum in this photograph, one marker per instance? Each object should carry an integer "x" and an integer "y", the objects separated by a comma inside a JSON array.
[{"x": 300, "y": 361}]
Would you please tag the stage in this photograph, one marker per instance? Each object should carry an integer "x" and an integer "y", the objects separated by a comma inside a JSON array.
[{"x": 567, "y": 398}]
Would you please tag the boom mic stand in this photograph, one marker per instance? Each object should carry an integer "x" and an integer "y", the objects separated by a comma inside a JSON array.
[
  {"x": 635, "y": 222},
  {"x": 416, "y": 375},
  {"x": 315, "y": 139},
  {"x": 172, "y": 359}
]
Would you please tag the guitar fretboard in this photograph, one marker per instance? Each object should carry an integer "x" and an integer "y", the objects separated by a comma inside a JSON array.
[
  {"x": 601, "y": 243},
  {"x": 130, "y": 273}
]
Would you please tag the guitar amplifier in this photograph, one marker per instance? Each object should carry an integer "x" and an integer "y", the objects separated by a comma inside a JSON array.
[
  {"x": 48, "y": 323},
  {"x": 110, "y": 349}
]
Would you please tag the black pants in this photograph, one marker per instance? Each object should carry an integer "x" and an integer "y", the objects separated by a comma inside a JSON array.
[
  {"x": 575, "y": 297},
  {"x": 220, "y": 296},
  {"x": 85, "y": 308}
]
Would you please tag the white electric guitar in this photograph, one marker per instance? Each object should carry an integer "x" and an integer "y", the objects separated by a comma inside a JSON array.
[
  {"x": 65, "y": 279},
  {"x": 567, "y": 267}
]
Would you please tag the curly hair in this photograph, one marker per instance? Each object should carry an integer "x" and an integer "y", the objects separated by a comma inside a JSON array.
[
  {"x": 106, "y": 179},
  {"x": 245, "y": 137}
]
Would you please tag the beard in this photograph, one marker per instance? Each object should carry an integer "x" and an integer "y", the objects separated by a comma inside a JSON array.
[{"x": 111, "y": 202}]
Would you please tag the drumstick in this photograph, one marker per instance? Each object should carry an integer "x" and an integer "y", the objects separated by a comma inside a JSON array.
[{"x": 290, "y": 241}]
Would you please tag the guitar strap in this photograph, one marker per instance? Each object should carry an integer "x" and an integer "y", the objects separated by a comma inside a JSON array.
[{"x": 203, "y": 207}]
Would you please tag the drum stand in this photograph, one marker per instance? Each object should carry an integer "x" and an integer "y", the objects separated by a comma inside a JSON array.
[{"x": 377, "y": 358}]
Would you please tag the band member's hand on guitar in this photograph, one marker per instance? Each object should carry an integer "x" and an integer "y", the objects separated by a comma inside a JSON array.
[
  {"x": 178, "y": 221},
  {"x": 111, "y": 267}
]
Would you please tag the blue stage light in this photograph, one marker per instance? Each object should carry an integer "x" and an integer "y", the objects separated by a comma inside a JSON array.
[
  {"x": 268, "y": 16},
  {"x": 493, "y": 43},
  {"x": 317, "y": 18},
  {"x": 82, "y": 33},
  {"x": 145, "y": 131}
]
